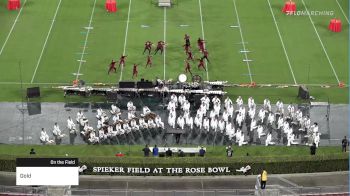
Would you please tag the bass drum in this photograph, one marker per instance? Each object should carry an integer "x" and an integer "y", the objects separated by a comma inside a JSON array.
[{"x": 182, "y": 78}]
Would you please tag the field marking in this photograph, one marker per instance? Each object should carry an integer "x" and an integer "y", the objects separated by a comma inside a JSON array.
[
  {"x": 319, "y": 38},
  {"x": 86, "y": 39},
  {"x": 243, "y": 43},
  {"x": 125, "y": 40},
  {"x": 282, "y": 42},
  {"x": 201, "y": 15},
  {"x": 343, "y": 12},
  {"x": 47, "y": 37},
  {"x": 164, "y": 57},
  {"x": 13, "y": 26}
]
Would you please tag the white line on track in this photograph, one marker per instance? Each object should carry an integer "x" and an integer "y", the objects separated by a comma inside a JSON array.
[
  {"x": 243, "y": 42},
  {"x": 201, "y": 15},
  {"x": 86, "y": 40},
  {"x": 13, "y": 26},
  {"x": 125, "y": 40},
  {"x": 164, "y": 57},
  {"x": 47, "y": 37},
  {"x": 343, "y": 11},
  {"x": 324, "y": 49},
  {"x": 284, "y": 48}
]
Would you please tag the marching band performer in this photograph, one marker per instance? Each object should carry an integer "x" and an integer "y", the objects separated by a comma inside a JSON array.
[{"x": 159, "y": 122}]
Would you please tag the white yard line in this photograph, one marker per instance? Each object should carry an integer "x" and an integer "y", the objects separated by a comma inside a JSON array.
[
  {"x": 343, "y": 11},
  {"x": 13, "y": 26},
  {"x": 47, "y": 37},
  {"x": 284, "y": 48},
  {"x": 243, "y": 42},
  {"x": 324, "y": 49},
  {"x": 86, "y": 39},
  {"x": 203, "y": 37},
  {"x": 164, "y": 57},
  {"x": 125, "y": 40}
]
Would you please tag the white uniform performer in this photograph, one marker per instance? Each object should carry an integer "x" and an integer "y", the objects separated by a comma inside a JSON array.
[
  {"x": 151, "y": 124},
  {"x": 189, "y": 122},
  {"x": 239, "y": 102},
  {"x": 222, "y": 125},
  {"x": 271, "y": 118},
  {"x": 126, "y": 127},
  {"x": 251, "y": 103},
  {"x": 71, "y": 126},
  {"x": 225, "y": 116},
  {"x": 227, "y": 102},
  {"x": 216, "y": 100},
  {"x": 142, "y": 123},
  {"x": 44, "y": 137},
  {"x": 171, "y": 105},
  {"x": 102, "y": 135},
  {"x": 317, "y": 139},
  {"x": 217, "y": 108},
  {"x": 267, "y": 105},
  {"x": 181, "y": 122},
  {"x": 198, "y": 121},
  {"x": 171, "y": 120},
  {"x": 241, "y": 141},
  {"x": 173, "y": 97},
  {"x": 93, "y": 139},
  {"x": 119, "y": 129},
  {"x": 114, "y": 109},
  {"x": 134, "y": 125},
  {"x": 182, "y": 100},
  {"x": 230, "y": 130},
  {"x": 206, "y": 101},
  {"x": 130, "y": 106},
  {"x": 99, "y": 113},
  {"x": 214, "y": 124},
  {"x": 206, "y": 124},
  {"x": 57, "y": 131},
  {"x": 260, "y": 131},
  {"x": 279, "y": 106},
  {"x": 159, "y": 122},
  {"x": 145, "y": 110},
  {"x": 261, "y": 115},
  {"x": 186, "y": 106},
  {"x": 269, "y": 140}
]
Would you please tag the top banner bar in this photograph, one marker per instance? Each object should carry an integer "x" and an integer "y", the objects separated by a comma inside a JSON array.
[{"x": 47, "y": 162}]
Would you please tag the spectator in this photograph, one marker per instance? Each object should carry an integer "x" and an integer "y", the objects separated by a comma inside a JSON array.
[
  {"x": 313, "y": 149},
  {"x": 263, "y": 179},
  {"x": 169, "y": 153},
  {"x": 155, "y": 151},
  {"x": 181, "y": 153},
  {"x": 201, "y": 152},
  {"x": 32, "y": 151},
  {"x": 344, "y": 143},
  {"x": 146, "y": 151},
  {"x": 229, "y": 151}
]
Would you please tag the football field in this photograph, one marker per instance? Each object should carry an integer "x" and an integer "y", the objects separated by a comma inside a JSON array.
[{"x": 49, "y": 43}]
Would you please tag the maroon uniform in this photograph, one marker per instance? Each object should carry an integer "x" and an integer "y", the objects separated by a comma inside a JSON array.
[
  {"x": 189, "y": 55},
  {"x": 201, "y": 64},
  {"x": 160, "y": 46},
  {"x": 149, "y": 61},
  {"x": 200, "y": 43},
  {"x": 122, "y": 60},
  {"x": 187, "y": 40},
  {"x": 187, "y": 48},
  {"x": 112, "y": 67},
  {"x": 205, "y": 55},
  {"x": 188, "y": 67},
  {"x": 134, "y": 71},
  {"x": 148, "y": 47}
]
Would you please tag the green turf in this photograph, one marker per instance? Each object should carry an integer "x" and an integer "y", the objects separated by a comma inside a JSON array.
[
  {"x": 106, "y": 41},
  {"x": 136, "y": 150}
]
